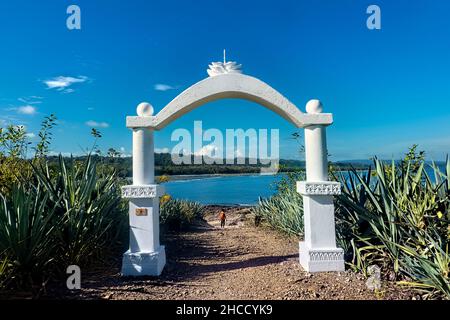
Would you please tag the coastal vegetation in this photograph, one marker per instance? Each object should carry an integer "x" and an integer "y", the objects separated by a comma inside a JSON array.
[
  {"x": 178, "y": 214},
  {"x": 122, "y": 165},
  {"x": 395, "y": 216},
  {"x": 57, "y": 211},
  {"x": 284, "y": 210}
]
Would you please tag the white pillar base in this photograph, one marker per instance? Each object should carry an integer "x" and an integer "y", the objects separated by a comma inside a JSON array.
[
  {"x": 321, "y": 260},
  {"x": 318, "y": 253},
  {"x": 143, "y": 263},
  {"x": 146, "y": 257}
]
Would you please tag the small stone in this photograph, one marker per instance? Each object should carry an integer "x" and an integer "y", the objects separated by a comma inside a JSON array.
[
  {"x": 108, "y": 296},
  {"x": 373, "y": 283}
]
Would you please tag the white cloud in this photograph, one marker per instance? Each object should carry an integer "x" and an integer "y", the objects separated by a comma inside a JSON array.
[
  {"x": 31, "y": 100},
  {"x": 92, "y": 123},
  {"x": 162, "y": 150},
  {"x": 208, "y": 150},
  {"x": 30, "y": 135},
  {"x": 63, "y": 83},
  {"x": 239, "y": 153},
  {"x": 163, "y": 87},
  {"x": 65, "y": 154},
  {"x": 30, "y": 110},
  {"x": 122, "y": 149}
]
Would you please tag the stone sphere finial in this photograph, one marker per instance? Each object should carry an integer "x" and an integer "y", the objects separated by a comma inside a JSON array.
[
  {"x": 314, "y": 106},
  {"x": 144, "y": 109}
]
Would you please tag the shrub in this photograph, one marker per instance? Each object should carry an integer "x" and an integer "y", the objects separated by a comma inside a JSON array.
[
  {"x": 398, "y": 218},
  {"x": 284, "y": 210},
  {"x": 395, "y": 216},
  {"x": 12, "y": 172},
  {"x": 92, "y": 218},
  {"x": 64, "y": 216},
  {"x": 27, "y": 235},
  {"x": 4, "y": 272},
  {"x": 13, "y": 149},
  {"x": 177, "y": 214},
  {"x": 53, "y": 216}
]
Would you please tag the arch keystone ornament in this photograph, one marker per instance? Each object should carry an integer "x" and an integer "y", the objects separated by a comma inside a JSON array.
[{"x": 318, "y": 251}]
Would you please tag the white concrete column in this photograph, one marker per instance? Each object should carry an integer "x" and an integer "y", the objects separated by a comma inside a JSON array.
[
  {"x": 316, "y": 153},
  {"x": 145, "y": 256},
  {"x": 318, "y": 251},
  {"x": 143, "y": 157}
]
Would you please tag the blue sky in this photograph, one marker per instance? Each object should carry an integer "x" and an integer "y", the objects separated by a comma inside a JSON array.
[{"x": 387, "y": 88}]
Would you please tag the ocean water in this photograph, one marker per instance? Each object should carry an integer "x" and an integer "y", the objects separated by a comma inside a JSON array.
[
  {"x": 234, "y": 190},
  {"x": 227, "y": 190}
]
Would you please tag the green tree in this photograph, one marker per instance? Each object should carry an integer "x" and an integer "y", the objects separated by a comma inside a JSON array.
[
  {"x": 113, "y": 153},
  {"x": 45, "y": 136},
  {"x": 413, "y": 158}
]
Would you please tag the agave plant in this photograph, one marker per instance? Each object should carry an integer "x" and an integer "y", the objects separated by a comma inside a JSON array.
[
  {"x": 428, "y": 271},
  {"x": 283, "y": 211},
  {"x": 398, "y": 219},
  {"x": 89, "y": 207},
  {"x": 4, "y": 272},
  {"x": 27, "y": 233},
  {"x": 176, "y": 214}
]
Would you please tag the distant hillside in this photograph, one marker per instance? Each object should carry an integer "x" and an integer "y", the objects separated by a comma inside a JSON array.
[{"x": 165, "y": 166}]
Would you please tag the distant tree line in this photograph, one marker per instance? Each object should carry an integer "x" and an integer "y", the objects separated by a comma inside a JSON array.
[{"x": 165, "y": 166}]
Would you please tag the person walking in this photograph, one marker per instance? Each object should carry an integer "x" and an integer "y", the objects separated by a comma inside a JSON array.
[{"x": 222, "y": 218}]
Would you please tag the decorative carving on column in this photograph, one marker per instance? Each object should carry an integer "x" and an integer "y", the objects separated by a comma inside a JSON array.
[
  {"x": 327, "y": 188},
  {"x": 147, "y": 191},
  {"x": 326, "y": 255}
]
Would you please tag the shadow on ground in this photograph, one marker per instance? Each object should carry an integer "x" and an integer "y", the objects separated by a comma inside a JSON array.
[
  {"x": 191, "y": 256},
  {"x": 185, "y": 251}
]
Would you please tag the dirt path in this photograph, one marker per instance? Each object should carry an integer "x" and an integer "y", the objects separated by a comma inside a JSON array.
[{"x": 238, "y": 262}]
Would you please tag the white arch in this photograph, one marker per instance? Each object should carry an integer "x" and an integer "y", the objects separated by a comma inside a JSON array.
[
  {"x": 232, "y": 85},
  {"x": 318, "y": 251}
]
